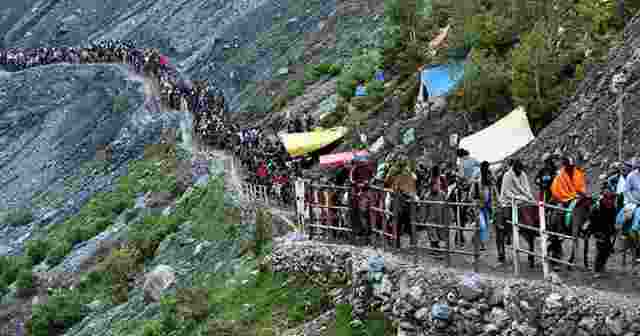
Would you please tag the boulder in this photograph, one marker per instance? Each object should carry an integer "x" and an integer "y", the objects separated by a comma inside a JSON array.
[
  {"x": 155, "y": 200},
  {"x": 157, "y": 281}
]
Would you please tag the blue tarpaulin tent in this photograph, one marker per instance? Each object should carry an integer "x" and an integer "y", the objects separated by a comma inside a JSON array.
[{"x": 441, "y": 79}]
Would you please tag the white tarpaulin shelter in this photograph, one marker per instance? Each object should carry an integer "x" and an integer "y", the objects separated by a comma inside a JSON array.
[{"x": 503, "y": 138}]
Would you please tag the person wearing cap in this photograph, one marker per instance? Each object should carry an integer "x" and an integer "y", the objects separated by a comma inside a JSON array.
[
  {"x": 632, "y": 200},
  {"x": 602, "y": 224},
  {"x": 545, "y": 177}
]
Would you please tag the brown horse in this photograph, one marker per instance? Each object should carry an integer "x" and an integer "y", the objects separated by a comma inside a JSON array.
[{"x": 579, "y": 217}]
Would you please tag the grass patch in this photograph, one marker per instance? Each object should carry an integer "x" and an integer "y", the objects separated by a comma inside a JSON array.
[
  {"x": 375, "y": 325},
  {"x": 267, "y": 303}
]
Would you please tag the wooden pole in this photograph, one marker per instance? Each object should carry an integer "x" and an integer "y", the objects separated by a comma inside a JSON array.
[
  {"x": 515, "y": 244},
  {"x": 544, "y": 237},
  {"x": 620, "y": 111}
]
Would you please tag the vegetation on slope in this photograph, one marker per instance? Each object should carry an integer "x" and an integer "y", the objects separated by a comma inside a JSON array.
[{"x": 518, "y": 52}]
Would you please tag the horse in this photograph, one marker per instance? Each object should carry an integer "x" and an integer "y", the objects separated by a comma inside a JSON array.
[
  {"x": 579, "y": 218},
  {"x": 601, "y": 222},
  {"x": 459, "y": 192}
]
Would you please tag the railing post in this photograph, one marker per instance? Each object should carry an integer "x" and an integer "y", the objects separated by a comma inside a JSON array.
[
  {"x": 397, "y": 231},
  {"x": 311, "y": 212},
  {"x": 452, "y": 237},
  {"x": 543, "y": 238},
  {"x": 476, "y": 242},
  {"x": 515, "y": 242},
  {"x": 412, "y": 216},
  {"x": 445, "y": 219},
  {"x": 412, "y": 221}
]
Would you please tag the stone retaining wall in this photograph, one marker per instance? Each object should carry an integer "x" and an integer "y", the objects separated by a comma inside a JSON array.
[{"x": 494, "y": 306}]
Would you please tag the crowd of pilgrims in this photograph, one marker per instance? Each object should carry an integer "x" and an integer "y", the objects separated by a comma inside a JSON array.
[
  {"x": 204, "y": 101},
  {"x": 265, "y": 157}
]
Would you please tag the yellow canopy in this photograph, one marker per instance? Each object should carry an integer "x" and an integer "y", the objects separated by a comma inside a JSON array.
[{"x": 298, "y": 144}]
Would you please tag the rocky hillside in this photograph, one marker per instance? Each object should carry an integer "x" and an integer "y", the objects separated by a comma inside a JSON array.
[{"x": 54, "y": 119}]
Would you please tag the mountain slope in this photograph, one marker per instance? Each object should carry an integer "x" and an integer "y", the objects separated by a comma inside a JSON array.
[{"x": 589, "y": 125}]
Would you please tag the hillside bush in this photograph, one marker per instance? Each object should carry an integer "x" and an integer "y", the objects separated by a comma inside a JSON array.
[
  {"x": 25, "y": 282},
  {"x": 120, "y": 265},
  {"x": 36, "y": 250},
  {"x": 63, "y": 309},
  {"x": 208, "y": 216},
  {"x": 60, "y": 249},
  {"x": 18, "y": 217},
  {"x": 120, "y": 104},
  {"x": 295, "y": 88},
  {"x": 362, "y": 67},
  {"x": 10, "y": 266},
  {"x": 147, "y": 234}
]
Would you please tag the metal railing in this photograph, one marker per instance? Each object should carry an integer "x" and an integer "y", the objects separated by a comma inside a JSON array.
[
  {"x": 444, "y": 207},
  {"x": 324, "y": 213},
  {"x": 543, "y": 233}
]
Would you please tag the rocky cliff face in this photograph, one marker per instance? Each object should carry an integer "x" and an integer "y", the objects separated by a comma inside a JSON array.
[
  {"x": 198, "y": 35},
  {"x": 589, "y": 125},
  {"x": 52, "y": 121}
]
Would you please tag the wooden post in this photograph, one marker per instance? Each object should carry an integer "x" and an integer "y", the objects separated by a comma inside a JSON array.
[
  {"x": 476, "y": 246},
  {"x": 452, "y": 233},
  {"x": 311, "y": 213},
  {"x": 412, "y": 209},
  {"x": 397, "y": 232},
  {"x": 412, "y": 220},
  {"x": 515, "y": 243},
  {"x": 543, "y": 235},
  {"x": 450, "y": 236}
]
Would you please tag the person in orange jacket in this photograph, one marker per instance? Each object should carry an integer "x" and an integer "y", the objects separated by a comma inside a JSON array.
[
  {"x": 569, "y": 184},
  {"x": 566, "y": 188}
]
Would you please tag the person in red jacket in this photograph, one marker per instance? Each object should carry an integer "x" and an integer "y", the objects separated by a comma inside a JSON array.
[
  {"x": 262, "y": 172},
  {"x": 361, "y": 173}
]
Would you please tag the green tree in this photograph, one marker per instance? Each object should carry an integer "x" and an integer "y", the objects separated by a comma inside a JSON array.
[{"x": 534, "y": 69}]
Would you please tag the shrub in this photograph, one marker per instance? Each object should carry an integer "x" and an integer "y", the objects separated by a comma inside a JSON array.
[
  {"x": 120, "y": 104},
  {"x": 192, "y": 303},
  {"x": 25, "y": 282},
  {"x": 295, "y": 88},
  {"x": 264, "y": 234},
  {"x": 79, "y": 234},
  {"x": 36, "y": 250},
  {"x": 59, "y": 251},
  {"x": 120, "y": 265},
  {"x": 10, "y": 266},
  {"x": 62, "y": 310},
  {"x": 147, "y": 234},
  {"x": 19, "y": 217},
  {"x": 152, "y": 328},
  {"x": 168, "y": 312},
  {"x": 362, "y": 67}
]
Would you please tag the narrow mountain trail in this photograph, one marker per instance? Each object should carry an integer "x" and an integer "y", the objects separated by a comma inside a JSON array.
[{"x": 619, "y": 280}]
